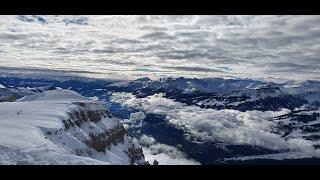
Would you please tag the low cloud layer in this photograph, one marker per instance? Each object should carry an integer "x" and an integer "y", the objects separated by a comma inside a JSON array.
[
  {"x": 130, "y": 47},
  {"x": 164, "y": 154},
  {"x": 229, "y": 126}
]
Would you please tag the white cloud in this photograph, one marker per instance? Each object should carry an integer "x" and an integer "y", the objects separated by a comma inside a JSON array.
[
  {"x": 230, "y": 126},
  {"x": 164, "y": 154},
  {"x": 135, "y": 120},
  {"x": 146, "y": 140},
  {"x": 137, "y": 116},
  {"x": 127, "y": 47}
]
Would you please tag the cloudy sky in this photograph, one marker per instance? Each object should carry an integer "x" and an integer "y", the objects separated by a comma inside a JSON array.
[{"x": 129, "y": 47}]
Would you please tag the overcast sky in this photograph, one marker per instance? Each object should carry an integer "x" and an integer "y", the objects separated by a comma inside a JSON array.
[{"x": 129, "y": 47}]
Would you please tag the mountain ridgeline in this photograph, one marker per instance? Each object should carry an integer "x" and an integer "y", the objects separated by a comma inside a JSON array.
[
  {"x": 218, "y": 93},
  {"x": 301, "y": 101}
]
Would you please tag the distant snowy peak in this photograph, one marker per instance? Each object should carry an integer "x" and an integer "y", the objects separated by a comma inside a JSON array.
[
  {"x": 220, "y": 85},
  {"x": 307, "y": 83},
  {"x": 219, "y": 93},
  {"x": 209, "y": 85},
  {"x": 55, "y": 95},
  {"x": 25, "y": 91},
  {"x": 308, "y": 90},
  {"x": 212, "y": 84},
  {"x": 306, "y": 86}
]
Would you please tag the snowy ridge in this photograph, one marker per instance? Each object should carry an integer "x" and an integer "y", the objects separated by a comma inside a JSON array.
[
  {"x": 194, "y": 84},
  {"x": 56, "y": 95},
  {"x": 62, "y": 127}
]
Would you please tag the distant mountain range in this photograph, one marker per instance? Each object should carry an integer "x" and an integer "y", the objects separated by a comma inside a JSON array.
[
  {"x": 218, "y": 93},
  {"x": 292, "y": 109}
]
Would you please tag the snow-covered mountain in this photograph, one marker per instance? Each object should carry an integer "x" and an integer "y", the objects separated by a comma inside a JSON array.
[
  {"x": 12, "y": 93},
  {"x": 175, "y": 120},
  {"x": 63, "y": 127},
  {"x": 6, "y": 94},
  {"x": 308, "y": 90},
  {"x": 219, "y": 93},
  {"x": 209, "y": 85}
]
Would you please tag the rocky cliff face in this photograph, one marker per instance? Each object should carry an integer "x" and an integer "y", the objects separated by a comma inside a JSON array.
[{"x": 96, "y": 131}]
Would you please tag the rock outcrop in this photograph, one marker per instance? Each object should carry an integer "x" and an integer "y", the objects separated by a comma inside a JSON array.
[
  {"x": 96, "y": 131},
  {"x": 7, "y": 96}
]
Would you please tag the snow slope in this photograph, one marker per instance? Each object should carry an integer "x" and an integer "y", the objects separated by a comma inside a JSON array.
[{"x": 62, "y": 127}]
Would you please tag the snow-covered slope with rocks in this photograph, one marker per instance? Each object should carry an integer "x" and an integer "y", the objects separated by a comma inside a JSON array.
[
  {"x": 6, "y": 94},
  {"x": 62, "y": 127},
  {"x": 177, "y": 120}
]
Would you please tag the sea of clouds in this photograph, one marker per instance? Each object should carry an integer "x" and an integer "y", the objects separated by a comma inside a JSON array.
[
  {"x": 164, "y": 154},
  {"x": 230, "y": 126}
]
